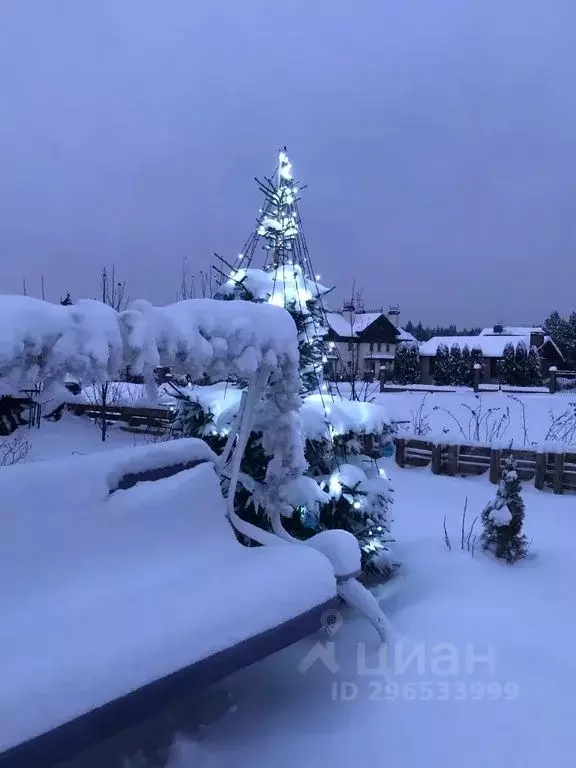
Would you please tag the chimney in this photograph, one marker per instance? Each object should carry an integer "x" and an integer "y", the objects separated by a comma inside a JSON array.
[
  {"x": 498, "y": 328},
  {"x": 394, "y": 314}
]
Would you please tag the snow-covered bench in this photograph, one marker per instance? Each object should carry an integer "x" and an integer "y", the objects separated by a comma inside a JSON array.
[
  {"x": 146, "y": 589},
  {"x": 115, "y": 594}
]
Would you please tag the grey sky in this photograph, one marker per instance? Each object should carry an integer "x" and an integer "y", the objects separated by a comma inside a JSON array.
[{"x": 437, "y": 138}]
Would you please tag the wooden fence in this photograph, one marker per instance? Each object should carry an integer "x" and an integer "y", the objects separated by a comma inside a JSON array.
[
  {"x": 556, "y": 471},
  {"x": 134, "y": 418}
]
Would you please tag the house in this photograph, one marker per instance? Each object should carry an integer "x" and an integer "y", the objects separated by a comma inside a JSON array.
[
  {"x": 492, "y": 341},
  {"x": 363, "y": 343}
]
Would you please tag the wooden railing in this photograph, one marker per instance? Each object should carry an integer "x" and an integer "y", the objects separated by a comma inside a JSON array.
[
  {"x": 556, "y": 471},
  {"x": 135, "y": 418}
]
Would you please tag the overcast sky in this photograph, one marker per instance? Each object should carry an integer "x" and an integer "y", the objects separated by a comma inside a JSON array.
[{"x": 438, "y": 139}]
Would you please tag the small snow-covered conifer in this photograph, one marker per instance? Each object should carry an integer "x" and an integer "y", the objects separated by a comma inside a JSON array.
[{"x": 502, "y": 519}]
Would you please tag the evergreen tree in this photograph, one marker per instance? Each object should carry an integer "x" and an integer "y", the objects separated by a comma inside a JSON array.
[
  {"x": 476, "y": 357},
  {"x": 400, "y": 372},
  {"x": 407, "y": 364},
  {"x": 502, "y": 519},
  {"x": 455, "y": 365},
  {"x": 534, "y": 368},
  {"x": 563, "y": 333},
  {"x": 349, "y": 493},
  {"x": 521, "y": 366},
  {"x": 413, "y": 364},
  {"x": 507, "y": 368},
  {"x": 442, "y": 366},
  {"x": 466, "y": 376}
]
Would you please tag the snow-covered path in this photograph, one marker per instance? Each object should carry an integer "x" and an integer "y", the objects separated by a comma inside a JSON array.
[{"x": 512, "y": 705}]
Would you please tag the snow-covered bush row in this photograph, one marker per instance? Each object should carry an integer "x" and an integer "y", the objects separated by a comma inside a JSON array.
[{"x": 92, "y": 342}]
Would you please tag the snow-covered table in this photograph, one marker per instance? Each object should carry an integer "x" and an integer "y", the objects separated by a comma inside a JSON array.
[{"x": 102, "y": 594}]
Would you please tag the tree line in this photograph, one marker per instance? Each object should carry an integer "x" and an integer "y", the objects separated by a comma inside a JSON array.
[{"x": 425, "y": 333}]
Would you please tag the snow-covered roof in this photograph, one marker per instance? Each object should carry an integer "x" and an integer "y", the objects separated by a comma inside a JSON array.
[
  {"x": 405, "y": 336},
  {"x": 524, "y": 332},
  {"x": 491, "y": 346},
  {"x": 341, "y": 324},
  {"x": 343, "y": 327},
  {"x": 512, "y": 330}
]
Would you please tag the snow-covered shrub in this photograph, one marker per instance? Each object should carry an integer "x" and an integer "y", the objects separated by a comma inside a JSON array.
[
  {"x": 13, "y": 450},
  {"x": 502, "y": 519}
]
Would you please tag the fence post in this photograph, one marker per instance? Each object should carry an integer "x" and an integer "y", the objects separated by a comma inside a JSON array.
[
  {"x": 477, "y": 369},
  {"x": 437, "y": 458},
  {"x": 453, "y": 459},
  {"x": 495, "y": 465},
  {"x": 559, "y": 473},
  {"x": 553, "y": 381},
  {"x": 540, "y": 474},
  {"x": 401, "y": 452}
]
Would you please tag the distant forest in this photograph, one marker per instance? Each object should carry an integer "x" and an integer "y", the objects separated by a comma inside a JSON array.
[{"x": 424, "y": 333}]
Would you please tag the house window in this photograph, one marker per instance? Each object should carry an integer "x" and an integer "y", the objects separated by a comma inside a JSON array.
[
  {"x": 350, "y": 346},
  {"x": 387, "y": 347},
  {"x": 371, "y": 346},
  {"x": 494, "y": 367},
  {"x": 379, "y": 347}
]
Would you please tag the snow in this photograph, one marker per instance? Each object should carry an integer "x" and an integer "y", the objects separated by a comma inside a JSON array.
[
  {"x": 47, "y": 340},
  {"x": 499, "y": 419},
  {"x": 345, "y": 416},
  {"x": 346, "y": 327},
  {"x": 343, "y": 326},
  {"x": 510, "y": 330},
  {"x": 341, "y": 548},
  {"x": 406, "y": 336},
  {"x": 207, "y": 336},
  {"x": 491, "y": 346},
  {"x": 335, "y": 703},
  {"x": 121, "y": 393},
  {"x": 91, "y": 341},
  {"x": 280, "y": 286},
  {"x": 501, "y": 515},
  {"x": 160, "y": 455},
  {"x": 116, "y": 586}
]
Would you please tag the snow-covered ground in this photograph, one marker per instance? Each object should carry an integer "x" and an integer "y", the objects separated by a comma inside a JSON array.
[
  {"x": 491, "y": 417},
  {"x": 492, "y": 670},
  {"x": 480, "y": 671},
  {"x": 122, "y": 587}
]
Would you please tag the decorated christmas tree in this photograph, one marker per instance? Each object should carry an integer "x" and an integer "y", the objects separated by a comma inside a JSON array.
[
  {"x": 345, "y": 487},
  {"x": 502, "y": 519}
]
